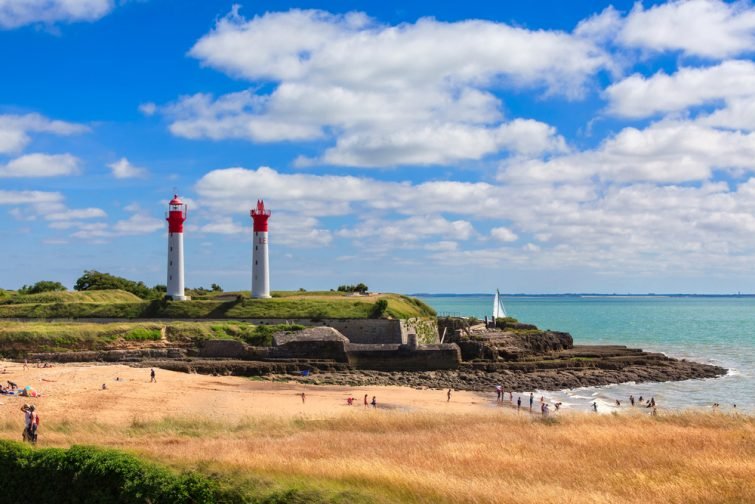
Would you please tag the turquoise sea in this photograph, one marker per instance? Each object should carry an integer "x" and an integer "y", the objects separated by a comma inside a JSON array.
[{"x": 712, "y": 330}]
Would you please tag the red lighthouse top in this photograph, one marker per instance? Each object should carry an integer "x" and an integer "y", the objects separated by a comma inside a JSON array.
[
  {"x": 177, "y": 210},
  {"x": 260, "y": 216}
]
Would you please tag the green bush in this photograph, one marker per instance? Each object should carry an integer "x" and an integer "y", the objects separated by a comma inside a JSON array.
[
  {"x": 94, "y": 475},
  {"x": 379, "y": 308},
  {"x": 143, "y": 334},
  {"x": 42, "y": 286},
  {"x": 94, "y": 280}
]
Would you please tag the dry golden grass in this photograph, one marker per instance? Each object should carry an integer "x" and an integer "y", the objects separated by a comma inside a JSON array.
[{"x": 493, "y": 456}]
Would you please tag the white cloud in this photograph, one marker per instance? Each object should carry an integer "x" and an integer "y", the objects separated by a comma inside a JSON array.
[
  {"x": 667, "y": 151},
  {"x": 603, "y": 226},
  {"x": 137, "y": 224},
  {"x": 123, "y": 169},
  {"x": 417, "y": 93},
  {"x": 503, "y": 234},
  {"x": 410, "y": 229},
  {"x": 640, "y": 96},
  {"x": 706, "y": 28},
  {"x": 15, "y": 129},
  {"x": 76, "y": 214},
  {"x": 29, "y": 197},
  {"x": 148, "y": 108},
  {"x": 40, "y": 165},
  {"x": 15, "y": 13}
]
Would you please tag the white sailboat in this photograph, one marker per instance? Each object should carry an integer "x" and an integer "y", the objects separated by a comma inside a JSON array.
[{"x": 498, "y": 310}]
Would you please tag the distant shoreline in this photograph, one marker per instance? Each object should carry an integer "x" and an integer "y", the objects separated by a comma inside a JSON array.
[{"x": 586, "y": 295}]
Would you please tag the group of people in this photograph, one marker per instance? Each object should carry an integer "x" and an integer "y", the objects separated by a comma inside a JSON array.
[
  {"x": 351, "y": 400},
  {"x": 501, "y": 394}
]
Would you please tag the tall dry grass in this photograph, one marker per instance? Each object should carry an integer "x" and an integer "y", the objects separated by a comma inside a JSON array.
[{"x": 417, "y": 457}]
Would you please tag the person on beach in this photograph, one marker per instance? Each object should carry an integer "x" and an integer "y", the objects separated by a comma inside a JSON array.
[
  {"x": 546, "y": 410},
  {"x": 557, "y": 405},
  {"x": 640, "y": 399},
  {"x": 374, "y": 402},
  {"x": 152, "y": 378},
  {"x": 618, "y": 403},
  {"x": 511, "y": 395},
  {"x": 303, "y": 397},
  {"x": 532, "y": 400},
  {"x": 449, "y": 396},
  {"x": 365, "y": 400},
  {"x": 498, "y": 393},
  {"x": 595, "y": 407},
  {"x": 652, "y": 402},
  {"x": 349, "y": 400},
  {"x": 542, "y": 409},
  {"x": 631, "y": 399},
  {"x": 26, "y": 364},
  {"x": 518, "y": 403},
  {"x": 27, "y": 422},
  {"x": 34, "y": 424},
  {"x": 12, "y": 385}
]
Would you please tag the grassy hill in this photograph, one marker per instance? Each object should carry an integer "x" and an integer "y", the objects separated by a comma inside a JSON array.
[{"x": 284, "y": 305}]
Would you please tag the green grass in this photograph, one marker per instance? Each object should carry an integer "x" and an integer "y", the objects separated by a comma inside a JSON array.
[
  {"x": 92, "y": 474},
  {"x": 119, "y": 304},
  {"x": 143, "y": 334},
  {"x": 96, "y": 296},
  {"x": 21, "y": 338}
]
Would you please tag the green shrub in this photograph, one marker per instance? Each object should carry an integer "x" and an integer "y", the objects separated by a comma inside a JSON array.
[
  {"x": 143, "y": 334},
  {"x": 42, "y": 286},
  {"x": 94, "y": 475},
  {"x": 379, "y": 308}
]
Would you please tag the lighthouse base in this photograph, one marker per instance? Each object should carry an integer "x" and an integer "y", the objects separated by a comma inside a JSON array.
[{"x": 179, "y": 298}]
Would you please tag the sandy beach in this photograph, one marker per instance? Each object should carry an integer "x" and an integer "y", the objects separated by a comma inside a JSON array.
[{"x": 76, "y": 390}]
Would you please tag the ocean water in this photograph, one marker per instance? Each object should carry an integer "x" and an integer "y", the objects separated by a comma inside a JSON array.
[{"x": 713, "y": 330}]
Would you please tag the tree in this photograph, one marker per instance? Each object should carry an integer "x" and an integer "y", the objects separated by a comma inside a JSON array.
[
  {"x": 360, "y": 288},
  {"x": 216, "y": 288},
  {"x": 42, "y": 286},
  {"x": 94, "y": 280}
]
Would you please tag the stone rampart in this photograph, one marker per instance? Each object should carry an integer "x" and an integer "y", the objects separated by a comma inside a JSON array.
[{"x": 404, "y": 358}]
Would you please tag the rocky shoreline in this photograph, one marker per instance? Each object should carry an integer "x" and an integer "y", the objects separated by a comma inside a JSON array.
[{"x": 580, "y": 366}]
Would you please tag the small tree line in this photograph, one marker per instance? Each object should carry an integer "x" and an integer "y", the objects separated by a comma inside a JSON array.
[{"x": 359, "y": 288}]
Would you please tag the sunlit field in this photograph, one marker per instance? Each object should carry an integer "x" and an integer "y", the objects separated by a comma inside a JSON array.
[{"x": 388, "y": 456}]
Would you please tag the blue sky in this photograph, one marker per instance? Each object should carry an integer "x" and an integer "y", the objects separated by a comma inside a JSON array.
[{"x": 453, "y": 147}]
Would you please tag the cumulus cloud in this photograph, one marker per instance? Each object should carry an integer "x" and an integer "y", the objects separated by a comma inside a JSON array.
[
  {"x": 29, "y": 197},
  {"x": 15, "y": 129},
  {"x": 15, "y": 13},
  {"x": 411, "y": 94},
  {"x": 136, "y": 224},
  {"x": 706, "y": 28},
  {"x": 638, "y": 96},
  {"x": 503, "y": 234},
  {"x": 633, "y": 226},
  {"x": 40, "y": 165},
  {"x": 664, "y": 152},
  {"x": 123, "y": 169}
]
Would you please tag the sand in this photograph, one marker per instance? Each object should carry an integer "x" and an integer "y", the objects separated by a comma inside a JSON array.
[{"x": 75, "y": 390}]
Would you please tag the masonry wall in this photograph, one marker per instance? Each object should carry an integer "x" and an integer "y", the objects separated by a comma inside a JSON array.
[{"x": 402, "y": 358}]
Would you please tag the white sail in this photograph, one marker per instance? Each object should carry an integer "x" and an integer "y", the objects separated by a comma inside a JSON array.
[{"x": 498, "y": 310}]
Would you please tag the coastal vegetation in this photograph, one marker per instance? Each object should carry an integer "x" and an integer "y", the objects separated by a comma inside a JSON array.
[
  {"x": 387, "y": 456},
  {"x": 20, "y": 338},
  {"x": 284, "y": 305}
]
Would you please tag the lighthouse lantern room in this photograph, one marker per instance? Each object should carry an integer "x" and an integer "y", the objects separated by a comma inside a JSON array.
[
  {"x": 176, "y": 216},
  {"x": 260, "y": 266}
]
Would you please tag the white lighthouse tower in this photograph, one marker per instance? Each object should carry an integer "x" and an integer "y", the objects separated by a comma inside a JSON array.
[
  {"x": 177, "y": 210},
  {"x": 260, "y": 266}
]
